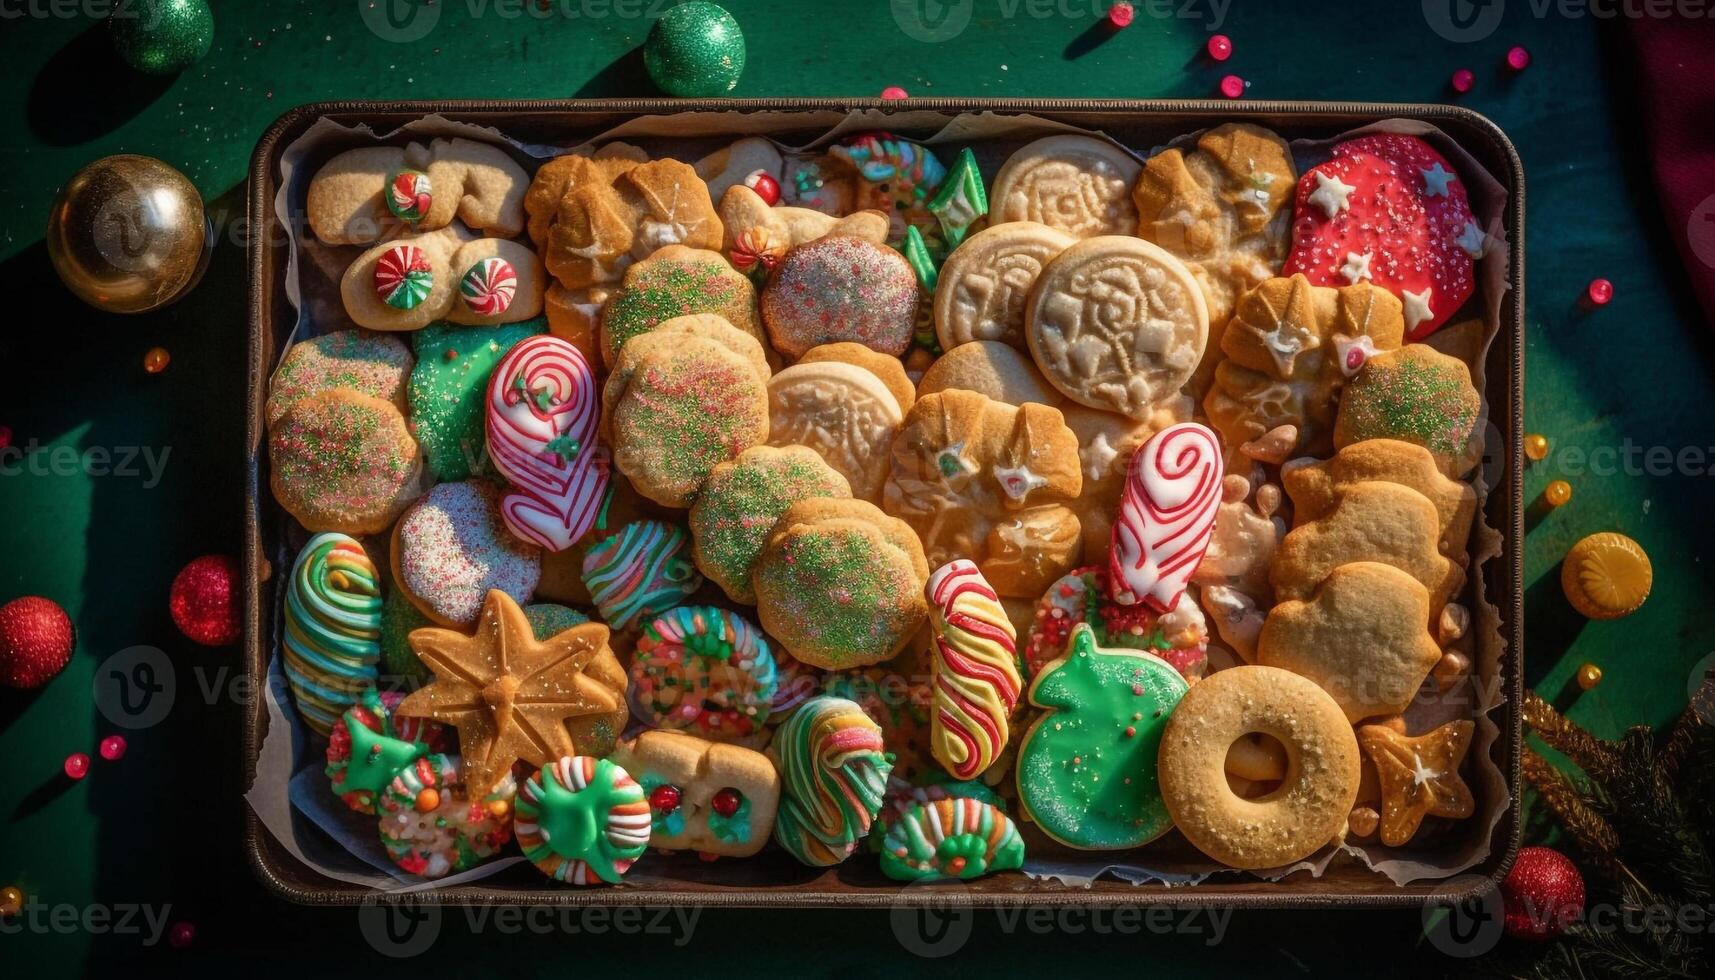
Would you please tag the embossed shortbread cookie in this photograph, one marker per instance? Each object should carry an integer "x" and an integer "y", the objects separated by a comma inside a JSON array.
[
  {"x": 1117, "y": 323},
  {"x": 983, "y": 284},
  {"x": 844, "y": 413},
  {"x": 993, "y": 369},
  {"x": 1078, "y": 184}
]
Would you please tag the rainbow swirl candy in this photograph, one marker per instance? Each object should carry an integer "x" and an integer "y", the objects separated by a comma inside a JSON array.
[
  {"x": 704, "y": 671},
  {"x": 975, "y": 670},
  {"x": 833, "y": 775},
  {"x": 643, "y": 570},
  {"x": 430, "y": 827},
  {"x": 403, "y": 277},
  {"x": 489, "y": 286},
  {"x": 583, "y": 820},
  {"x": 541, "y": 425},
  {"x": 332, "y": 639},
  {"x": 950, "y": 838},
  {"x": 1167, "y": 515},
  {"x": 408, "y": 195}
]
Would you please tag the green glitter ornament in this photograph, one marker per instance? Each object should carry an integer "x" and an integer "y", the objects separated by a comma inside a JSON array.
[
  {"x": 161, "y": 37},
  {"x": 695, "y": 50}
]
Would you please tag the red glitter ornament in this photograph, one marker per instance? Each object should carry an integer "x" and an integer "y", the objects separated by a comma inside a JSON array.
[
  {"x": 112, "y": 748},
  {"x": 1220, "y": 47},
  {"x": 1120, "y": 14},
  {"x": 1542, "y": 894},
  {"x": 893, "y": 93},
  {"x": 1233, "y": 87},
  {"x": 181, "y": 934},
  {"x": 726, "y": 802},
  {"x": 1518, "y": 57},
  {"x": 664, "y": 798},
  {"x": 36, "y": 640},
  {"x": 76, "y": 765},
  {"x": 204, "y": 600},
  {"x": 1599, "y": 293},
  {"x": 1463, "y": 80}
]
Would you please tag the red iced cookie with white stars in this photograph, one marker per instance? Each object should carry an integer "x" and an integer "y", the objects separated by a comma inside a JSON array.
[{"x": 1391, "y": 210}]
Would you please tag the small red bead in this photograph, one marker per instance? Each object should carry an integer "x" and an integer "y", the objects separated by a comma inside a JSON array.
[
  {"x": 77, "y": 765},
  {"x": 1120, "y": 14},
  {"x": 5, "y": 436},
  {"x": 1220, "y": 47},
  {"x": 726, "y": 802},
  {"x": 113, "y": 748},
  {"x": 181, "y": 935},
  {"x": 1518, "y": 57},
  {"x": 1463, "y": 80},
  {"x": 1599, "y": 292},
  {"x": 664, "y": 799},
  {"x": 894, "y": 92},
  {"x": 1233, "y": 87}
]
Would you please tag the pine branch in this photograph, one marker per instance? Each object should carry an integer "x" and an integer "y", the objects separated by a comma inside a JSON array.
[
  {"x": 1594, "y": 837},
  {"x": 1593, "y": 755},
  {"x": 1657, "y": 839},
  {"x": 1692, "y": 721}
]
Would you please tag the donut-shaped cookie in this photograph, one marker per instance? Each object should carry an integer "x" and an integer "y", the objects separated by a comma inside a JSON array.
[
  {"x": 432, "y": 828},
  {"x": 1293, "y": 821},
  {"x": 452, "y": 547},
  {"x": 343, "y": 461},
  {"x": 1077, "y": 184},
  {"x": 1117, "y": 323},
  {"x": 982, "y": 287},
  {"x": 376, "y": 364},
  {"x": 833, "y": 776},
  {"x": 583, "y": 820},
  {"x": 840, "y": 288},
  {"x": 642, "y": 570},
  {"x": 704, "y": 671},
  {"x": 332, "y": 639}
]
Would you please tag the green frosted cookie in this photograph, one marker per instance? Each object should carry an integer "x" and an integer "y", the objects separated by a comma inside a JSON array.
[
  {"x": 547, "y": 618},
  {"x": 399, "y": 662},
  {"x": 448, "y": 387}
]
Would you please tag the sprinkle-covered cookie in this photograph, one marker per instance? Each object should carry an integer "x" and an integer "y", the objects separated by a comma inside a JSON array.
[
  {"x": 448, "y": 390},
  {"x": 841, "y": 288},
  {"x": 343, "y": 461},
  {"x": 741, "y": 501},
  {"x": 375, "y": 364},
  {"x": 676, "y": 281},
  {"x": 452, "y": 547},
  {"x": 1417, "y": 395},
  {"x": 704, "y": 671},
  {"x": 431, "y": 826}
]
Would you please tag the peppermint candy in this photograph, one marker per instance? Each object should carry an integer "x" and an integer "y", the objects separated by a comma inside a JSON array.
[
  {"x": 403, "y": 277},
  {"x": 541, "y": 436},
  {"x": 408, "y": 195},
  {"x": 1167, "y": 514},
  {"x": 488, "y": 286}
]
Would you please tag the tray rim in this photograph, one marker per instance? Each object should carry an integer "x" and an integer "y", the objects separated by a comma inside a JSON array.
[{"x": 1252, "y": 893}]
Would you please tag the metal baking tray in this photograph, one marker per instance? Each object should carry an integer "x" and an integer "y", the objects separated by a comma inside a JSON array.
[{"x": 773, "y": 878}]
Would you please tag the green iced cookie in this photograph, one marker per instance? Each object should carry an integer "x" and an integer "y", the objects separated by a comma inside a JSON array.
[
  {"x": 448, "y": 387},
  {"x": 398, "y": 662}
]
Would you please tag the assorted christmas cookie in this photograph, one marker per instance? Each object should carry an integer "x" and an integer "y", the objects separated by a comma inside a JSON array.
[
  {"x": 950, "y": 838},
  {"x": 592, "y": 218},
  {"x": 991, "y": 368},
  {"x": 1076, "y": 184},
  {"x": 1087, "y": 768},
  {"x": 895, "y": 176},
  {"x": 1419, "y": 776},
  {"x": 1309, "y": 808},
  {"x": 752, "y": 161},
  {"x": 642, "y": 569},
  {"x": 758, "y": 235},
  {"x": 1389, "y": 209},
  {"x": 843, "y": 413},
  {"x": 370, "y": 745},
  {"x": 409, "y": 283},
  {"x": 981, "y": 289},
  {"x": 1373, "y": 521},
  {"x": 449, "y": 392},
  {"x": 374, "y": 364},
  {"x": 1085, "y": 597},
  {"x": 434, "y": 824},
  {"x": 887, "y": 368},
  {"x": 708, "y": 797},
  {"x": 840, "y": 288},
  {"x": 497, "y": 281},
  {"x": 1166, "y": 516},
  {"x": 1117, "y": 323},
  {"x": 1316, "y": 486},
  {"x": 990, "y": 482},
  {"x": 833, "y": 774},
  {"x": 976, "y": 678},
  {"x": 541, "y": 427},
  {"x": 1417, "y": 395},
  {"x": 737, "y": 508},
  {"x": 452, "y": 547},
  {"x": 332, "y": 637},
  {"x": 1106, "y": 443},
  {"x": 705, "y": 671},
  {"x": 899, "y": 697},
  {"x": 343, "y": 461},
  {"x": 367, "y": 194},
  {"x": 582, "y": 820},
  {"x": 515, "y": 698},
  {"x": 840, "y": 584},
  {"x": 676, "y": 281}
]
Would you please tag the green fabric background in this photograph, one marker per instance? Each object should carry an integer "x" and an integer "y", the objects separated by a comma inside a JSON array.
[{"x": 163, "y": 825}]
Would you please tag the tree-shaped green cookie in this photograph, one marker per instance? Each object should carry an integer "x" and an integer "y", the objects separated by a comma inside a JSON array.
[{"x": 1086, "y": 771}]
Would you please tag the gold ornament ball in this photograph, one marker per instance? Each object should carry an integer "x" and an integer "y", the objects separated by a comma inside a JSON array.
[
  {"x": 128, "y": 234},
  {"x": 1557, "y": 493},
  {"x": 1589, "y": 676},
  {"x": 156, "y": 359},
  {"x": 1536, "y": 447}
]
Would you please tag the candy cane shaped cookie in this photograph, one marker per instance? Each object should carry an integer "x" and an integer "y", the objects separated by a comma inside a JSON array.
[
  {"x": 975, "y": 670},
  {"x": 1166, "y": 515},
  {"x": 541, "y": 437}
]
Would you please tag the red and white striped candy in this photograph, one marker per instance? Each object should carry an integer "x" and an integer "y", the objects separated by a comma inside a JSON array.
[
  {"x": 541, "y": 436},
  {"x": 1167, "y": 514},
  {"x": 488, "y": 286}
]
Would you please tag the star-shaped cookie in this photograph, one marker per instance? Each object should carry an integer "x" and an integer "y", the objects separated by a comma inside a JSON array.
[
  {"x": 1419, "y": 776},
  {"x": 513, "y": 697}
]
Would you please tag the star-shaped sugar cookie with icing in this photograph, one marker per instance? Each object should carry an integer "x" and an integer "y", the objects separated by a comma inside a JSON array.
[
  {"x": 1419, "y": 776},
  {"x": 513, "y": 697}
]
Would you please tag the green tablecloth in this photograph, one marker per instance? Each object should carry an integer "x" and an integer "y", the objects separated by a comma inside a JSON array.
[{"x": 162, "y": 826}]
